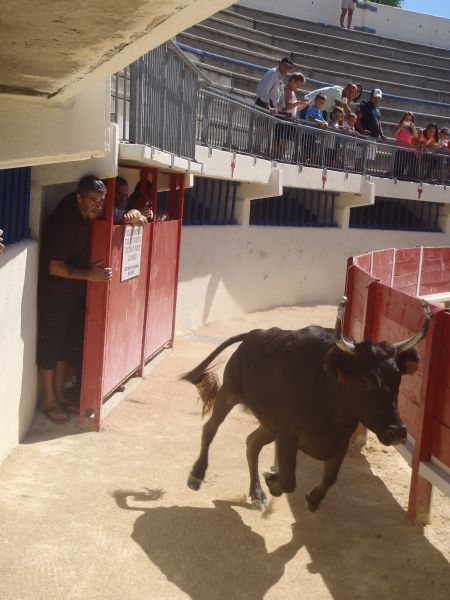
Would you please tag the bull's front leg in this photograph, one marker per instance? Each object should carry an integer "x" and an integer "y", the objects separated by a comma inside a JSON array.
[
  {"x": 329, "y": 477},
  {"x": 284, "y": 480}
]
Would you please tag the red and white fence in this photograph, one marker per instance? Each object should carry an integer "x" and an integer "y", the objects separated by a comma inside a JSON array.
[{"x": 383, "y": 289}]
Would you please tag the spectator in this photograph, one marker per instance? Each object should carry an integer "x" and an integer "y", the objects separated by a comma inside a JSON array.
[
  {"x": 121, "y": 214},
  {"x": 347, "y": 6},
  {"x": 287, "y": 109},
  {"x": 288, "y": 104},
  {"x": 2, "y": 247},
  {"x": 406, "y": 131},
  {"x": 64, "y": 270},
  {"x": 405, "y": 164},
  {"x": 349, "y": 124},
  {"x": 270, "y": 88},
  {"x": 336, "y": 95},
  {"x": 135, "y": 202},
  {"x": 314, "y": 112},
  {"x": 369, "y": 116},
  {"x": 443, "y": 142},
  {"x": 428, "y": 139},
  {"x": 333, "y": 143}
]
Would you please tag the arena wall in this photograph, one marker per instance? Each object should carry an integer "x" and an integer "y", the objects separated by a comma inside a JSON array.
[
  {"x": 18, "y": 285},
  {"x": 383, "y": 20},
  {"x": 228, "y": 271}
]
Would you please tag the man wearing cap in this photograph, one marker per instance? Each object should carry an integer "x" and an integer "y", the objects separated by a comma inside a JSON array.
[
  {"x": 369, "y": 117},
  {"x": 271, "y": 87}
]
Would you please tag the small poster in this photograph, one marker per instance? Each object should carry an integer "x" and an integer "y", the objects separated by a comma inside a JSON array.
[{"x": 132, "y": 248}]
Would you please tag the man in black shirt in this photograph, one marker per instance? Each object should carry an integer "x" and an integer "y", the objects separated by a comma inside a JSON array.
[
  {"x": 63, "y": 273},
  {"x": 369, "y": 117}
]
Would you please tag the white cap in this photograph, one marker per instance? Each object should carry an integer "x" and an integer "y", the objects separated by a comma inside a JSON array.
[{"x": 377, "y": 93}]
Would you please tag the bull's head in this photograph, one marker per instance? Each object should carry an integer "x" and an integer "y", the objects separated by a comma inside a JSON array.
[{"x": 370, "y": 376}]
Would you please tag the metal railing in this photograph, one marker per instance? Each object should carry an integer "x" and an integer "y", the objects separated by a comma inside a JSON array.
[
  {"x": 397, "y": 214},
  {"x": 157, "y": 101},
  {"x": 210, "y": 202},
  {"x": 231, "y": 124},
  {"x": 154, "y": 102},
  {"x": 295, "y": 208}
]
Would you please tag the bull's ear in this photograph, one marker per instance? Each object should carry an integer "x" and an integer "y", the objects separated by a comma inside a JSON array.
[
  {"x": 337, "y": 364},
  {"x": 408, "y": 362}
]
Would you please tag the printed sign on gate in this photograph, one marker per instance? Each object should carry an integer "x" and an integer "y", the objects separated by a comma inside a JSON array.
[{"x": 131, "y": 256}]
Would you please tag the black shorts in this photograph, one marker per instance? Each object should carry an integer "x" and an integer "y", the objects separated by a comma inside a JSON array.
[{"x": 60, "y": 332}]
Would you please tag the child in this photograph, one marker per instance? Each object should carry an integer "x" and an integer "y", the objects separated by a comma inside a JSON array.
[
  {"x": 314, "y": 112},
  {"x": 349, "y": 125},
  {"x": 332, "y": 142}
]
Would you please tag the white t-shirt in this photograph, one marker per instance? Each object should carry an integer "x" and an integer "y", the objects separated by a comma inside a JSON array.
[
  {"x": 292, "y": 98},
  {"x": 333, "y": 93}
]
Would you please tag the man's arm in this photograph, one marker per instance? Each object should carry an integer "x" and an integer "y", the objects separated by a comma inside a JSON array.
[
  {"x": 95, "y": 273},
  {"x": 344, "y": 105},
  {"x": 2, "y": 247},
  {"x": 359, "y": 126},
  {"x": 380, "y": 129}
]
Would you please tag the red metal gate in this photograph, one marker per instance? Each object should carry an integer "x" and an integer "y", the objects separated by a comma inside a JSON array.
[{"x": 128, "y": 322}]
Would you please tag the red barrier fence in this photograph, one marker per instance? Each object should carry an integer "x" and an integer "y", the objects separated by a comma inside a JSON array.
[
  {"x": 382, "y": 289},
  {"x": 130, "y": 320}
]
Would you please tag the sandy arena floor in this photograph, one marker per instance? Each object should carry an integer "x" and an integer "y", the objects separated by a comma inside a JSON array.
[{"x": 86, "y": 516}]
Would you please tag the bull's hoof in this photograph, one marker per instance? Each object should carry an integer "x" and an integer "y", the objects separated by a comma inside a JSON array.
[
  {"x": 194, "y": 483},
  {"x": 259, "y": 505},
  {"x": 272, "y": 481},
  {"x": 309, "y": 505}
]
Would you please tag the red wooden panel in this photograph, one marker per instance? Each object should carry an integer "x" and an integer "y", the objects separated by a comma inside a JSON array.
[
  {"x": 363, "y": 261},
  {"x": 406, "y": 270},
  {"x": 357, "y": 290},
  {"x": 382, "y": 263},
  {"x": 440, "y": 442},
  {"x": 442, "y": 401},
  {"x": 163, "y": 285},
  {"x": 125, "y": 319},
  {"x": 435, "y": 271}
]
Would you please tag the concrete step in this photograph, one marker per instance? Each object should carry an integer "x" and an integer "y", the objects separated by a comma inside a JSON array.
[
  {"x": 332, "y": 48},
  {"x": 253, "y": 14},
  {"x": 236, "y": 45},
  {"x": 321, "y": 74},
  {"x": 244, "y": 86}
]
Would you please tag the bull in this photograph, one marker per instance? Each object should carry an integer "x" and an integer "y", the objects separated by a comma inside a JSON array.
[{"x": 308, "y": 389}]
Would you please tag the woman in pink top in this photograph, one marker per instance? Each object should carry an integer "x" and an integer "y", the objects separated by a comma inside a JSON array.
[
  {"x": 406, "y": 130},
  {"x": 429, "y": 140},
  {"x": 405, "y": 164}
]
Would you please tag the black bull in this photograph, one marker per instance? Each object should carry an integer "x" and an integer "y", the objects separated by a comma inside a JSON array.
[{"x": 308, "y": 389}]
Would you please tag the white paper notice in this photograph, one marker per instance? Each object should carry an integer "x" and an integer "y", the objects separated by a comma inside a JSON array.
[{"x": 132, "y": 248}]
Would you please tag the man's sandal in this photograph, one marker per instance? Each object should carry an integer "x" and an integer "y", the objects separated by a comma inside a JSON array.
[
  {"x": 55, "y": 413},
  {"x": 71, "y": 407}
]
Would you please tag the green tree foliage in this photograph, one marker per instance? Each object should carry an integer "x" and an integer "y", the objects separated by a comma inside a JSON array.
[{"x": 396, "y": 3}]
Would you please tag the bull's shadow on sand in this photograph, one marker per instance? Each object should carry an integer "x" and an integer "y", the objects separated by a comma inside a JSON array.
[{"x": 359, "y": 543}]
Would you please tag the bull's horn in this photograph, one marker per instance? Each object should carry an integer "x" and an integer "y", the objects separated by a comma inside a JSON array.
[
  {"x": 415, "y": 339},
  {"x": 341, "y": 341}
]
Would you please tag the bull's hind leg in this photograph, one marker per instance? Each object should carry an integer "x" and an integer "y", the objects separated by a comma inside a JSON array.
[
  {"x": 255, "y": 441},
  {"x": 223, "y": 403},
  {"x": 329, "y": 478}
]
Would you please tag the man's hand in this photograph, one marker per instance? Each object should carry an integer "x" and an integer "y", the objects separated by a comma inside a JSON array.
[
  {"x": 324, "y": 125},
  {"x": 2, "y": 247},
  {"x": 98, "y": 273},
  {"x": 134, "y": 217}
]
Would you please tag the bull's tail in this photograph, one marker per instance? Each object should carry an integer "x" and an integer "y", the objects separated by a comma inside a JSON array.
[{"x": 204, "y": 378}]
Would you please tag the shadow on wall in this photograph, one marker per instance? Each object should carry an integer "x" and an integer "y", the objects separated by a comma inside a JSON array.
[
  {"x": 18, "y": 288},
  {"x": 359, "y": 543}
]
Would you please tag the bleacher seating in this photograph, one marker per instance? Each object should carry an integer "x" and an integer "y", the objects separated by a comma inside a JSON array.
[{"x": 234, "y": 47}]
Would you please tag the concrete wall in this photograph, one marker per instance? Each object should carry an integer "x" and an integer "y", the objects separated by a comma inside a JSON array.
[
  {"x": 18, "y": 281},
  {"x": 228, "y": 271},
  {"x": 384, "y": 20},
  {"x": 39, "y": 132}
]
